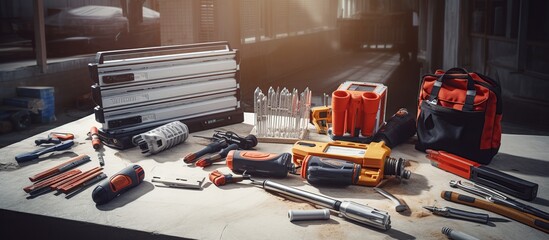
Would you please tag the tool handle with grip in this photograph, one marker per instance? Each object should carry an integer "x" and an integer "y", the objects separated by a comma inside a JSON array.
[
  {"x": 55, "y": 138},
  {"x": 81, "y": 159},
  {"x": 329, "y": 171},
  {"x": 24, "y": 157},
  {"x": 525, "y": 218},
  {"x": 224, "y": 152},
  {"x": 204, "y": 162},
  {"x": 260, "y": 164},
  {"x": 451, "y": 163},
  {"x": 119, "y": 183},
  {"x": 532, "y": 210},
  {"x": 220, "y": 179},
  {"x": 244, "y": 143},
  {"x": 94, "y": 135},
  {"x": 71, "y": 163},
  {"x": 504, "y": 182},
  {"x": 400, "y": 127},
  {"x": 471, "y": 216},
  {"x": 211, "y": 148},
  {"x": 47, "y": 140}
]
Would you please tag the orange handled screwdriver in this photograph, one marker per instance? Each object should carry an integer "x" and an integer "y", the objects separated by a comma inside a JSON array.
[{"x": 119, "y": 183}]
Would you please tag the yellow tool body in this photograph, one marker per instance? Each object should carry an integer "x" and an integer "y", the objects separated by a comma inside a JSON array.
[
  {"x": 321, "y": 118},
  {"x": 371, "y": 157}
]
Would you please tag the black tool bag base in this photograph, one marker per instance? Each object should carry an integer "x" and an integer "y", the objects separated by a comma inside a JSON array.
[{"x": 451, "y": 130}]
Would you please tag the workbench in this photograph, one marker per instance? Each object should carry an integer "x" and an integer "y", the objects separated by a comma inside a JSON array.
[{"x": 242, "y": 211}]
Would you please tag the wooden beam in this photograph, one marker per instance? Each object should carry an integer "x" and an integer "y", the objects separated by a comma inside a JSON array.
[{"x": 40, "y": 35}]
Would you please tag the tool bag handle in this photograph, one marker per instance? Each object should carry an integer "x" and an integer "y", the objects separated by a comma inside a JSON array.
[{"x": 471, "y": 91}]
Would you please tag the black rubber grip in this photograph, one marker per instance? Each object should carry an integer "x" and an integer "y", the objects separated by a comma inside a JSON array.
[
  {"x": 541, "y": 224},
  {"x": 447, "y": 195},
  {"x": 471, "y": 216},
  {"x": 465, "y": 198}
]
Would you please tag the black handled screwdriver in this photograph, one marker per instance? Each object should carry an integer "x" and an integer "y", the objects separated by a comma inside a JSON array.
[
  {"x": 204, "y": 162},
  {"x": 211, "y": 148},
  {"x": 461, "y": 214}
]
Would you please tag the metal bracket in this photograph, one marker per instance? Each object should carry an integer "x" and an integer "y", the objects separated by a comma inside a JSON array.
[
  {"x": 178, "y": 182},
  {"x": 400, "y": 206}
]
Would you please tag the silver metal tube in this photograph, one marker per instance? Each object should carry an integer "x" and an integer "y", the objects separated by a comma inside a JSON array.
[
  {"x": 457, "y": 235},
  {"x": 350, "y": 210},
  {"x": 301, "y": 194},
  {"x": 316, "y": 214},
  {"x": 365, "y": 214}
]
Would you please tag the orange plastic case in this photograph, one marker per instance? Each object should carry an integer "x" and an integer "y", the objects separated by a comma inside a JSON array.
[{"x": 358, "y": 108}]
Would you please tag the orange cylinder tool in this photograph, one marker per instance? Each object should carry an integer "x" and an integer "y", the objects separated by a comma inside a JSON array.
[
  {"x": 370, "y": 103},
  {"x": 94, "y": 134},
  {"x": 354, "y": 115},
  {"x": 340, "y": 101}
]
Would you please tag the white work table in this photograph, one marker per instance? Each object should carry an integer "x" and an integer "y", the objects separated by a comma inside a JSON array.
[{"x": 242, "y": 211}]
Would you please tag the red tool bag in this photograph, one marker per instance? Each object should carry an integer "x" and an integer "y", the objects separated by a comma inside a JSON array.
[{"x": 460, "y": 112}]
